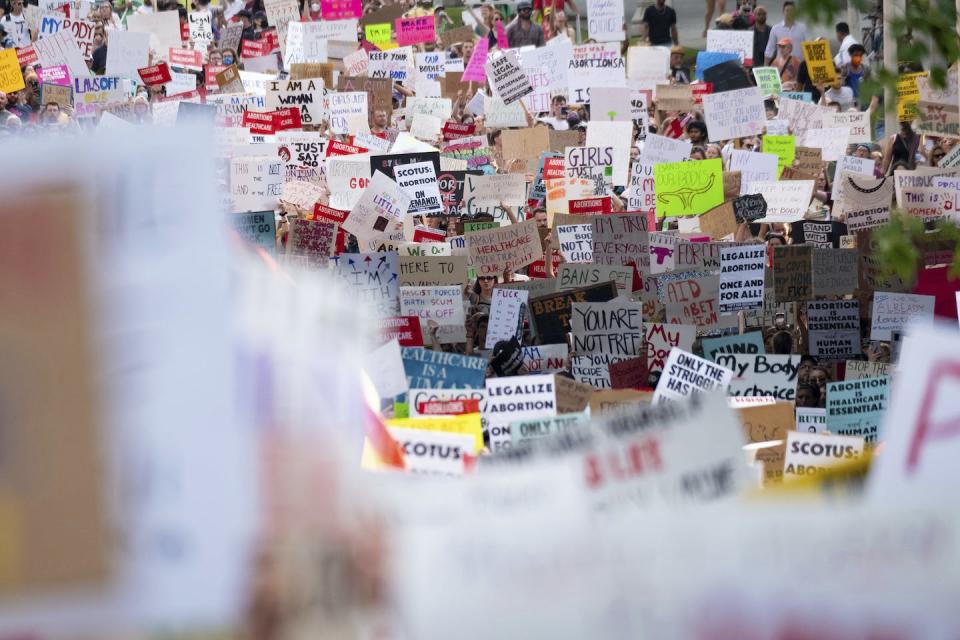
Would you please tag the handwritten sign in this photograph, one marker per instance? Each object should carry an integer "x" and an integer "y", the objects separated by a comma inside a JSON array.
[
  {"x": 495, "y": 250},
  {"x": 688, "y": 188},
  {"x": 734, "y": 114},
  {"x": 792, "y": 277},
  {"x": 894, "y": 311},
  {"x": 787, "y": 200}
]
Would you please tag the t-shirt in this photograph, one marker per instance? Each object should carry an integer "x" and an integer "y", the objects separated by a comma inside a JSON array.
[
  {"x": 842, "y": 96},
  {"x": 16, "y": 27},
  {"x": 659, "y": 23}
]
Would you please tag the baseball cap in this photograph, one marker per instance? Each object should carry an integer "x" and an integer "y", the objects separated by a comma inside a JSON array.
[
  {"x": 784, "y": 41},
  {"x": 524, "y": 4}
]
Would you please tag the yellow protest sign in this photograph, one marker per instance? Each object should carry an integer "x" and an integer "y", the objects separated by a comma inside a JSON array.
[
  {"x": 467, "y": 424},
  {"x": 378, "y": 34},
  {"x": 10, "y": 77},
  {"x": 688, "y": 188},
  {"x": 819, "y": 62},
  {"x": 784, "y": 147},
  {"x": 908, "y": 95}
]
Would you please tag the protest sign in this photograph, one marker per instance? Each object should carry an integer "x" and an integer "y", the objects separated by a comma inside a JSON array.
[
  {"x": 835, "y": 271},
  {"x": 257, "y": 228},
  {"x": 594, "y": 65},
  {"x": 56, "y": 94},
  {"x": 539, "y": 428},
  {"x": 693, "y": 298},
  {"x": 157, "y": 74},
  {"x": 507, "y": 313},
  {"x": 834, "y": 328},
  {"x": 727, "y": 75},
  {"x": 867, "y": 202},
  {"x": 745, "y": 343},
  {"x": 811, "y": 420},
  {"x": 768, "y": 81},
  {"x": 306, "y": 43},
  {"x": 545, "y": 358},
  {"x": 782, "y": 146},
  {"x": 419, "y": 181},
  {"x": 255, "y": 182},
  {"x": 605, "y": 20},
  {"x": 819, "y": 233},
  {"x": 753, "y": 167},
  {"x": 618, "y": 136},
  {"x": 611, "y": 104},
  {"x": 389, "y": 65},
  {"x": 58, "y": 49},
  {"x": 858, "y": 122},
  {"x": 575, "y": 241},
  {"x": 908, "y": 95},
  {"x": 348, "y": 112},
  {"x": 792, "y": 276},
  {"x": 858, "y": 369},
  {"x": 404, "y": 329},
  {"x": 81, "y": 30},
  {"x": 495, "y": 250},
  {"x": 475, "y": 71},
  {"x": 372, "y": 277},
  {"x": 647, "y": 67},
  {"x": 385, "y": 163},
  {"x": 742, "y": 277},
  {"x": 688, "y": 188},
  {"x": 809, "y": 454},
  {"x": 509, "y": 80},
  {"x": 307, "y": 95},
  {"x": 573, "y": 276},
  {"x": 550, "y": 314},
  {"x": 660, "y": 149},
  {"x": 734, "y": 114},
  {"x": 612, "y": 328},
  {"x": 787, "y": 200},
  {"x": 450, "y": 37},
  {"x": 620, "y": 239},
  {"x": 428, "y": 369},
  {"x": 832, "y": 141},
  {"x": 675, "y": 97},
  {"x": 856, "y": 407},
  {"x": 491, "y": 190},
  {"x": 659, "y": 339},
  {"x": 749, "y": 208},
  {"x": 685, "y": 374},
  {"x": 416, "y": 30},
  {"x": 513, "y": 398},
  {"x": 762, "y": 375},
  {"x": 500, "y": 114},
  {"x": 739, "y": 42},
  {"x": 311, "y": 242},
  {"x": 430, "y": 271},
  {"x": 894, "y": 311},
  {"x": 764, "y": 425},
  {"x": 719, "y": 222},
  {"x": 440, "y": 305},
  {"x": 425, "y": 451},
  {"x": 201, "y": 29},
  {"x": 819, "y": 62},
  {"x": 380, "y": 209},
  {"x": 128, "y": 51}
]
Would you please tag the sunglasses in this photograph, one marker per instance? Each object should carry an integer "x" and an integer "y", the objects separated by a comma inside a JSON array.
[{"x": 486, "y": 277}]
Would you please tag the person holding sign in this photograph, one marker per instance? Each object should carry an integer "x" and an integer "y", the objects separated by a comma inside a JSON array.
[{"x": 786, "y": 63}]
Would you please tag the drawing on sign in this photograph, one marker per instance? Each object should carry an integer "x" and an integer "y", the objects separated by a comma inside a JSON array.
[{"x": 685, "y": 194}]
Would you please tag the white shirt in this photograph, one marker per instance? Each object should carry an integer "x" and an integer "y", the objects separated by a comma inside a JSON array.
[
  {"x": 797, "y": 34},
  {"x": 16, "y": 28},
  {"x": 843, "y": 96},
  {"x": 843, "y": 56}
]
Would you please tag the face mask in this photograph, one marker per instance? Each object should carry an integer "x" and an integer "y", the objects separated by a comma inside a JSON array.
[
  {"x": 315, "y": 7},
  {"x": 228, "y": 60}
]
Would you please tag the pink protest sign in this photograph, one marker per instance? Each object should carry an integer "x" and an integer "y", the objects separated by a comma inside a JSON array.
[
  {"x": 475, "y": 71},
  {"x": 415, "y": 30},
  {"x": 341, "y": 9},
  {"x": 501, "y": 35},
  {"x": 58, "y": 75}
]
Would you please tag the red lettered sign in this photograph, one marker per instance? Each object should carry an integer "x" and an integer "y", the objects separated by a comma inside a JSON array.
[
  {"x": 553, "y": 168},
  {"x": 157, "y": 74},
  {"x": 259, "y": 122},
  {"x": 255, "y": 48},
  {"x": 186, "y": 58},
  {"x": 406, "y": 329},
  {"x": 449, "y": 407},
  {"x": 338, "y": 148},
  {"x": 590, "y": 206},
  {"x": 421, "y": 234},
  {"x": 287, "y": 118},
  {"x": 27, "y": 56},
  {"x": 454, "y": 130}
]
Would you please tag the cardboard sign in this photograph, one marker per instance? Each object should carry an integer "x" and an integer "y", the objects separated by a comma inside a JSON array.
[
  {"x": 427, "y": 369},
  {"x": 379, "y": 210},
  {"x": 809, "y": 454},
  {"x": 545, "y": 358},
  {"x": 734, "y": 114},
  {"x": 57, "y": 94},
  {"x": 685, "y": 374},
  {"x": 594, "y": 65},
  {"x": 609, "y": 328},
  {"x": 688, "y": 188},
  {"x": 311, "y": 242},
  {"x": 833, "y": 328},
  {"x": 508, "y": 310},
  {"x": 762, "y": 375},
  {"x": 742, "y": 277},
  {"x": 509, "y": 80},
  {"x": 719, "y": 222},
  {"x": 819, "y": 62},
  {"x": 835, "y": 271},
  {"x": 693, "y": 298},
  {"x": 787, "y": 201},
  {"x": 495, "y": 250},
  {"x": 403, "y": 329},
  {"x": 753, "y": 167},
  {"x": 859, "y": 369},
  {"x": 894, "y": 311},
  {"x": 431, "y": 271},
  {"x": 573, "y": 276},
  {"x": 866, "y": 202},
  {"x": 257, "y": 228},
  {"x": 811, "y": 420},
  {"x": 575, "y": 242},
  {"x": 442, "y": 305},
  {"x": 620, "y": 239},
  {"x": 489, "y": 190},
  {"x": 792, "y": 275},
  {"x": 550, "y": 314},
  {"x": 661, "y": 149},
  {"x": 749, "y": 343},
  {"x": 748, "y": 208},
  {"x": 675, "y": 97},
  {"x": 855, "y": 408},
  {"x": 659, "y": 339}
]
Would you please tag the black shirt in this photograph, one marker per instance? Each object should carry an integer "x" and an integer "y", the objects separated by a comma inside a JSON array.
[
  {"x": 760, "y": 39},
  {"x": 659, "y": 23}
]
